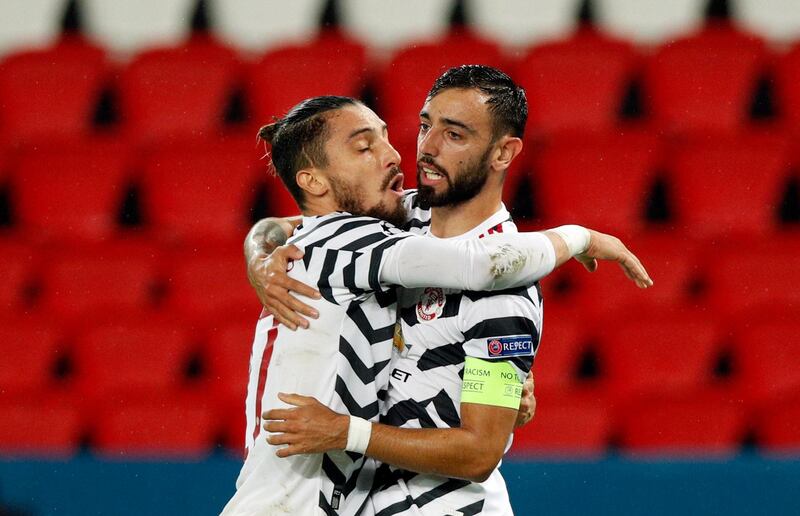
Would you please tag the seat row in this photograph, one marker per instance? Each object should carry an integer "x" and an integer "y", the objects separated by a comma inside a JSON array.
[
  {"x": 254, "y": 25},
  {"x": 207, "y": 190},
  {"x": 129, "y": 394},
  {"x": 705, "y": 83}
]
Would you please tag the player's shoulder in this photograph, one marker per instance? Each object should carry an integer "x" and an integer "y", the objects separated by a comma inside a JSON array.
[
  {"x": 418, "y": 216},
  {"x": 342, "y": 230}
]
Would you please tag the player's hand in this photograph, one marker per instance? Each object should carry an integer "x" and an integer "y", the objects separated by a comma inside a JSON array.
[
  {"x": 267, "y": 275},
  {"x": 611, "y": 248},
  {"x": 310, "y": 427},
  {"x": 527, "y": 405}
]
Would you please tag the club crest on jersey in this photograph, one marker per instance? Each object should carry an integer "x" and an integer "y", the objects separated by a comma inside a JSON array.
[
  {"x": 518, "y": 345},
  {"x": 431, "y": 304}
]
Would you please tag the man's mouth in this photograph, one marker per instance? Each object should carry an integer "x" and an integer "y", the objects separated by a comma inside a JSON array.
[
  {"x": 396, "y": 183},
  {"x": 430, "y": 172}
]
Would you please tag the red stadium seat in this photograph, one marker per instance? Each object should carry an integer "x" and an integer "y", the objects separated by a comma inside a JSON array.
[
  {"x": 564, "y": 340},
  {"x": 748, "y": 276},
  {"x": 50, "y": 93},
  {"x": 201, "y": 192},
  {"x": 18, "y": 261},
  {"x": 672, "y": 260},
  {"x": 767, "y": 358},
  {"x": 160, "y": 426},
  {"x": 43, "y": 427},
  {"x": 729, "y": 185},
  {"x": 568, "y": 424},
  {"x": 117, "y": 358},
  {"x": 30, "y": 349},
  {"x": 100, "y": 280},
  {"x": 778, "y": 427},
  {"x": 406, "y": 80},
  {"x": 660, "y": 355},
  {"x": 704, "y": 424},
  {"x": 787, "y": 89},
  {"x": 704, "y": 82},
  {"x": 599, "y": 181},
  {"x": 71, "y": 193},
  {"x": 211, "y": 285},
  {"x": 227, "y": 357},
  {"x": 179, "y": 92},
  {"x": 330, "y": 65},
  {"x": 578, "y": 83}
]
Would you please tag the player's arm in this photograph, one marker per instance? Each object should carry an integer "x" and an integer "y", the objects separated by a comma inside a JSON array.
[
  {"x": 267, "y": 260},
  {"x": 471, "y": 451},
  {"x": 501, "y": 261}
]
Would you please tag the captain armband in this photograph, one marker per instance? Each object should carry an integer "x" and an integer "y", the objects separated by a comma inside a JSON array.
[{"x": 488, "y": 382}]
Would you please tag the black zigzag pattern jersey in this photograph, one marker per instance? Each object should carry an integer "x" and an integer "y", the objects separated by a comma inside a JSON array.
[
  {"x": 438, "y": 329},
  {"x": 342, "y": 360}
]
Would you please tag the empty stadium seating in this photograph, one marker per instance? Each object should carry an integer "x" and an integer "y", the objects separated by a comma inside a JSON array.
[
  {"x": 554, "y": 76},
  {"x": 200, "y": 191},
  {"x": 567, "y": 424},
  {"x": 99, "y": 280},
  {"x": 787, "y": 76},
  {"x": 50, "y": 93},
  {"x": 661, "y": 355},
  {"x": 705, "y": 82},
  {"x": 330, "y": 65},
  {"x": 160, "y": 426},
  {"x": 133, "y": 355},
  {"x": 602, "y": 181},
  {"x": 210, "y": 285},
  {"x": 767, "y": 357},
  {"x": 29, "y": 345},
  {"x": 17, "y": 275},
  {"x": 177, "y": 92},
  {"x": 71, "y": 191},
  {"x": 705, "y": 424},
  {"x": 730, "y": 185},
  {"x": 778, "y": 429},
  {"x": 43, "y": 427}
]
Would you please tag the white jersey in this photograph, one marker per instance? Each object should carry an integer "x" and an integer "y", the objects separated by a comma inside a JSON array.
[
  {"x": 341, "y": 360},
  {"x": 439, "y": 328}
]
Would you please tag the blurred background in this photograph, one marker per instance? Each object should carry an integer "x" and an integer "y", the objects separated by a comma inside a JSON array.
[{"x": 129, "y": 175}]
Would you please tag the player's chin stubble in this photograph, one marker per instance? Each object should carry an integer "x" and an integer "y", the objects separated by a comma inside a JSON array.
[
  {"x": 467, "y": 184},
  {"x": 347, "y": 198}
]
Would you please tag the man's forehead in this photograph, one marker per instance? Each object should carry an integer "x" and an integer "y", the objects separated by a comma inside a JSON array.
[
  {"x": 458, "y": 104},
  {"x": 351, "y": 118}
]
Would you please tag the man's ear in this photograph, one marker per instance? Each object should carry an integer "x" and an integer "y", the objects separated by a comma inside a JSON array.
[
  {"x": 508, "y": 148},
  {"x": 312, "y": 182}
]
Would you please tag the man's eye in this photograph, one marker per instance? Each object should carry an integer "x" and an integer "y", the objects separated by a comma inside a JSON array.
[
  {"x": 423, "y": 127},
  {"x": 365, "y": 149},
  {"x": 454, "y": 135}
]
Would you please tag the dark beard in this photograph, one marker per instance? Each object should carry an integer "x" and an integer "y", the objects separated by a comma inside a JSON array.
[
  {"x": 467, "y": 184},
  {"x": 347, "y": 198}
]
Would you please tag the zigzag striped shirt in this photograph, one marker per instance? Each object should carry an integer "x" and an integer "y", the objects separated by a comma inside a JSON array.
[
  {"x": 342, "y": 360},
  {"x": 439, "y": 328}
]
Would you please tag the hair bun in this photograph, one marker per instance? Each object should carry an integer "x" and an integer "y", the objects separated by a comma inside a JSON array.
[{"x": 267, "y": 132}]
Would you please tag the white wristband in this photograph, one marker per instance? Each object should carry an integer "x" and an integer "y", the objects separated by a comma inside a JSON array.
[
  {"x": 358, "y": 434},
  {"x": 576, "y": 237}
]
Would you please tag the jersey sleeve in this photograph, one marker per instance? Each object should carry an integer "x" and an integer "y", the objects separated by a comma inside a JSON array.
[
  {"x": 354, "y": 258},
  {"x": 504, "y": 326}
]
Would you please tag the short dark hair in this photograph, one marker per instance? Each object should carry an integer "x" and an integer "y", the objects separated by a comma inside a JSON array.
[
  {"x": 298, "y": 139},
  {"x": 508, "y": 106}
]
